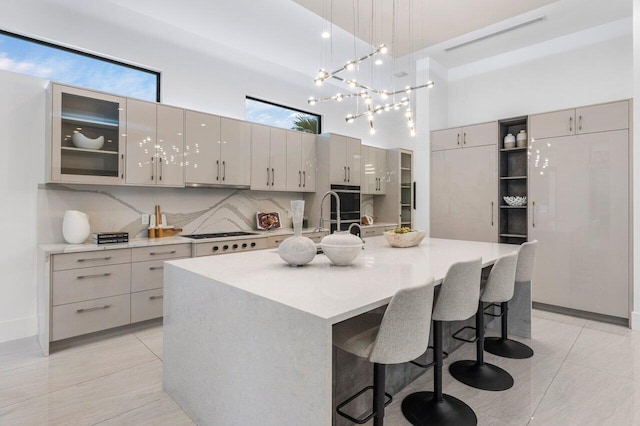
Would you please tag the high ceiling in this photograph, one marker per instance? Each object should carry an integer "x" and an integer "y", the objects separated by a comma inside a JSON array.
[{"x": 432, "y": 21}]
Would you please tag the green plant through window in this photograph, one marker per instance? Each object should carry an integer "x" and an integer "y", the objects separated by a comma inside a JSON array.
[{"x": 263, "y": 112}]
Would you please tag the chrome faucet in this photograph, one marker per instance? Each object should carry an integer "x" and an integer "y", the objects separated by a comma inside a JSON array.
[
  {"x": 359, "y": 234},
  {"x": 321, "y": 224}
]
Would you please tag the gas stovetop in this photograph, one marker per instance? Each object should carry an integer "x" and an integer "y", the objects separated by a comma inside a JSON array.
[{"x": 219, "y": 235}]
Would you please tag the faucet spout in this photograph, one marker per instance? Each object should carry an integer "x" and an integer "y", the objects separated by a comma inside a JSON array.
[{"x": 335, "y": 195}]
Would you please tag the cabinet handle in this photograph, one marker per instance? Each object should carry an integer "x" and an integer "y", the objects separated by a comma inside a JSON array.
[
  {"x": 304, "y": 178},
  {"x": 492, "y": 213},
  {"x": 156, "y": 297},
  {"x": 218, "y": 164},
  {"x": 299, "y": 178},
  {"x": 464, "y": 139},
  {"x": 570, "y": 124},
  {"x": 97, "y": 308},
  {"x": 106, "y": 274},
  {"x": 122, "y": 163},
  {"x": 458, "y": 138},
  {"x": 268, "y": 177},
  {"x": 580, "y": 122},
  {"x": 160, "y": 163},
  {"x": 533, "y": 215},
  {"x": 224, "y": 170},
  {"x": 154, "y": 268},
  {"x": 273, "y": 177},
  {"x": 345, "y": 173},
  {"x": 151, "y": 163},
  {"x": 153, "y": 253},
  {"x": 90, "y": 259},
  {"x": 349, "y": 170}
]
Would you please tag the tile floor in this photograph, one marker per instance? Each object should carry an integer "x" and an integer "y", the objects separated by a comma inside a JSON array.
[{"x": 583, "y": 373}]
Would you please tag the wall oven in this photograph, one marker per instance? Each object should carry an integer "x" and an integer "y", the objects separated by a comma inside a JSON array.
[{"x": 349, "y": 206}]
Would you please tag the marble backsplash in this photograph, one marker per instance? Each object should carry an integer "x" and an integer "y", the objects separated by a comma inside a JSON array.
[
  {"x": 196, "y": 210},
  {"x": 366, "y": 205}
]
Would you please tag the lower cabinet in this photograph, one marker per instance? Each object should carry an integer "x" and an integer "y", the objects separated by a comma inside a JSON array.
[
  {"x": 146, "y": 305},
  {"x": 376, "y": 231},
  {"x": 74, "y": 319}
]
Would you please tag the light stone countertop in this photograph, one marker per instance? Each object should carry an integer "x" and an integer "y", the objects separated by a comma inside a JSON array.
[{"x": 336, "y": 293}]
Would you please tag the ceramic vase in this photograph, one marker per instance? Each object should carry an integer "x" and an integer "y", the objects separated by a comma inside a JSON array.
[
  {"x": 297, "y": 250},
  {"x": 509, "y": 141},
  {"x": 341, "y": 247},
  {"x": 521, "y": 139},
  {"x": 75, "y": 227}
]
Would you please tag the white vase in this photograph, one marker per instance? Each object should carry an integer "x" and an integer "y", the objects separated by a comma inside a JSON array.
[
  {"x": 341, "y": 247},
  {"x": 297, "y": 250},
  {"x": 521, "y": 139},
  {"x": 75, "y": 227}
]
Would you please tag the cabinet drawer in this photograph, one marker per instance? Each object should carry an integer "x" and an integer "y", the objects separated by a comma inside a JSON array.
[
  {"x": 602, "y": 118},
  {"x": 90, "y": 258},
  {"x": 147, "y": 275},
  {"x": 146, "y": 305},
  {"x": 76, "y": 285},
  {"x": 173, "y": 251},
  {"x": 208, "y": 249},
  {"x": 371, "y": 232},
  {"x": 75, "y": 319},
  {"x": 316, "y": 237}
]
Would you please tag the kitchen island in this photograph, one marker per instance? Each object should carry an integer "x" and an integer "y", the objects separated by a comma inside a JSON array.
[{"x": 248, "y": 339}]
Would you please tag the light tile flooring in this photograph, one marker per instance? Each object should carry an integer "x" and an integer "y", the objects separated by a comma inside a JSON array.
[{"x": 583, "y": 373}]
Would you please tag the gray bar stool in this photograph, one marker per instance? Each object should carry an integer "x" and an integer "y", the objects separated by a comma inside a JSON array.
[
  {"x": 399, "y": 336},
  {"x": 477, "y": 373},
  {"x": 457, "y": 300},
  {"x": 503, "y": 346}
]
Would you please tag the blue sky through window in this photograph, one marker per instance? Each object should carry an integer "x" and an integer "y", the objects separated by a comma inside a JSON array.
[
  {"x": 257, "y": 111},
  {"x": 39, "y": 60}
]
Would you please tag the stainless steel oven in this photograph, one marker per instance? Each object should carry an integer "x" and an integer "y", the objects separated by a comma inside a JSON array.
[{"x": 349, "y": 206}]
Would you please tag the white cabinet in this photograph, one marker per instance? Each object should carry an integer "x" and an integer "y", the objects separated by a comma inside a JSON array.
[
  {"x": 465, "y": 137},
  {"x": 344, "y": 160},
  {"x": 301, "y": 162},
  {"x": 374, "y": 170},
  {"x": 154, "y": 144},
  {"x": 553, "y": 124},
  {"x": 80, "y": 120},
  {"x": 268, "y": 158},
  {"x": 217, "y": 150},
  {"x": 309, "y": 162},
  {"x": 446, "y": 139}
]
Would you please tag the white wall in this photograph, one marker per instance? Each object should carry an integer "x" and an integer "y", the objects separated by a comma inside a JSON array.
[{"x": 592, "y": 74}]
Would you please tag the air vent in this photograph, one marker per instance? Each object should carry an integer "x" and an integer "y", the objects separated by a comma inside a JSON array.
[
  {"x": 495, "y": 33},
  {"x": 400, "y": 74}
]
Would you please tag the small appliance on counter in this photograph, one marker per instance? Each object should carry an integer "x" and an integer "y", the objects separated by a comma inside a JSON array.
[{"x": 158, "y": 227}]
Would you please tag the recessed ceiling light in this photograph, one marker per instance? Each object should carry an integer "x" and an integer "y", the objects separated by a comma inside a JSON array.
[{"x": 325, "y": 34}]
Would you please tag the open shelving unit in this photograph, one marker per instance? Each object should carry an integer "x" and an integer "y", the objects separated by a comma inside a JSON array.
[
  {"x": 398, "y": 205},
  {"x": 513, "y": 169}
]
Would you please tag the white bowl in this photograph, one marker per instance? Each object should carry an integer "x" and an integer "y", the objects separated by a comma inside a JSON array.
[
  {"x": 81, "y": 141},
  {"x": 515, "y": 201},
  {"x": 341, "y": 255},
  {"x": 410, "y": 239}
]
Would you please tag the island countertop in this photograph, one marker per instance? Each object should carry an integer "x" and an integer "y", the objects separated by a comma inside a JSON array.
[{"x": 336, "y": 293}]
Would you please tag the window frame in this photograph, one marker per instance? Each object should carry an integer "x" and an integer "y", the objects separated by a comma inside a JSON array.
[
  {"x": 319, "y": 116},
  {"x": 52, "y": 45}
]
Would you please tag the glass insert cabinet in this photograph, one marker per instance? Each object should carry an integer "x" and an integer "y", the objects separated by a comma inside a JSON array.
[{"x": 88, "y": 139}]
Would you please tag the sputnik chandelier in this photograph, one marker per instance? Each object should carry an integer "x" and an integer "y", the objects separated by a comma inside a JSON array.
[{"x": 398, "y": 98}]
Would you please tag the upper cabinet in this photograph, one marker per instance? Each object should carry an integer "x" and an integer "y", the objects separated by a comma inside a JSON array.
[
  {"x": 301, "y": 162},
  {"x": 374, "y": 170},
  {"x": 217, "y": 150},
  {"x": 154, "y": 144},
  {"x": 88, "y": 137},
  {"x": 465, "y": 137},
  {"x": 344, "y": 160},
  {"x": 268, "y": 158},
  {"x": 589, "y": 119}
]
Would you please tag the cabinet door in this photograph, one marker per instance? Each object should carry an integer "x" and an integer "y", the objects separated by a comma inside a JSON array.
[
  {"x": 381, "y": 170},
  {"x": 294, "y": 161},
  {"x": 309, "y": 162},
  {"x": 202, "y": 148},
  {"x": 170, "y": 151},
  {"x": 141, "y": 143},
  {"x": 368, "y": 170},
  {"x": 446, "y": 139},
  {"x": 602, "y": 118},
  {"x": 580, "y": 216},
  {"x": 235, "y": 152},
  {"x": 353, "y": 161},
  {"x": 338, "y": 160},
  {"x": 260, "y": 157},
  {"x": 480, "y": 134},
  {"x": 553, "y": 124},
  {"x": 279, "y": 159},
  {"x": 442, "y": 222}
]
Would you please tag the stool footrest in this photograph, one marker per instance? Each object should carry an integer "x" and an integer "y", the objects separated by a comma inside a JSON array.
[
  {"x": 360, "y": 420},
  {"x": 497, "y": 305},
  {"x": 468, "y": 327},
  {"x": 445, "y": 355}
]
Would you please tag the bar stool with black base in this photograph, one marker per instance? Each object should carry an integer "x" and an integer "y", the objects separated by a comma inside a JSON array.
[
  {"x": 399, "y": 336},
  {"x": 477, "y": 373},
  {"x": 457, "y": 300},
  {"x": 503, "y": 346}
]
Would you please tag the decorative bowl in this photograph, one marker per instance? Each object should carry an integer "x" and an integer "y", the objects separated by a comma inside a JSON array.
[
  {"x": 81, "y": 141},
  {"x": 515, "y": 201},
  {"x": 409, "y": 239},
  {"x": 341, "y": 247}
]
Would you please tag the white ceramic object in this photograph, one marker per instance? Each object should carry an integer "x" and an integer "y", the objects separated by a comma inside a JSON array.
[
  {"x": 341, "y": 247},
  {"x": 81, "y": 141},
  {"x": 75, "y": 227},
  {"x": 509, "y": 141},
  {"x": 410, "y": 239},
  {"x": 521, "y": 139},
  {"x": 297, "y": 250},
  {"x": 515, "y": 200}
]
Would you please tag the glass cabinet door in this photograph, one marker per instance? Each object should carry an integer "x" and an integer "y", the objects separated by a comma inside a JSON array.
[{"x": 88, "y": 137}]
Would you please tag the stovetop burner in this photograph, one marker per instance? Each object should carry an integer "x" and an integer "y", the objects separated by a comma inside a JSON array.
[{"x": 219, "y": 235}]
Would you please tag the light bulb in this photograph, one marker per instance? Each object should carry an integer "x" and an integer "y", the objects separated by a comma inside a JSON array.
[
  {"x": 349, "y": 118},
  {"x": 430, "y": 84},
  {"x": 408, "y": 113},
  {"x": 339, "y": 97},
  {"x": 318, "y": 81},
  {"x": 367, "y": 100},
  {"x": 396, "y": 107},
  {"x": 407, "y": 89},
  {"x": 372, "y": 131},
  {"x": 378, "y": 62},
  {"x": 379, "y": 109},
  {"x": 384, "y": 94},
  {"x": 352, "y": 84},
  {"x": 325, "y": 34},
  {"x": 383, "y": 49},
  {"x": 312, "y": 101},
  {"x": 350, "y": 66},
  {"x": 413, "y": 132},
  {"x": 363, "y": 94},
  {"x": 370, "y": 116},
  {"x": 387, "y": 107}
]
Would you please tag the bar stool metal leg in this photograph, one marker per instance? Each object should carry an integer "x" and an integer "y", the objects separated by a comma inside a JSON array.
[
  {"x": 436, "y": 408},
  {"x": 378, "y": 394},
  {"x": 476, "y": 373},
  {"x": 503, "y": 346}
]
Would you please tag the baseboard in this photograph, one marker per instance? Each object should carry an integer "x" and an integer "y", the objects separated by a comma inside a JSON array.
[
  {"x": 18, "y": 328},
  {"x": 635, "y": 320},
  {"x": 582, "y": 314}
]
